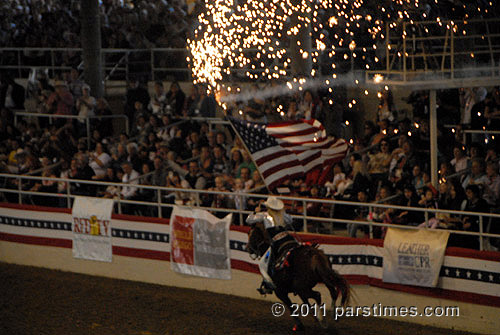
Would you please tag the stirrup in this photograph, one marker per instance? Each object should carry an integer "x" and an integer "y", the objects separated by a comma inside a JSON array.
[{"x": 265, "y": 288}]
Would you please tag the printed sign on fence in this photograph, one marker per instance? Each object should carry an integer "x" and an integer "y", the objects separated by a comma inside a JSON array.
[
  {"x": 200, "y": 243},
  {"x": 91, "y": 228},
  {"x": 414, "y": 257}
]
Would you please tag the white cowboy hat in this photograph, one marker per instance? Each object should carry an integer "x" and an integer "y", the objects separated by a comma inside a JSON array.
[{"x": 274, "y": 203}]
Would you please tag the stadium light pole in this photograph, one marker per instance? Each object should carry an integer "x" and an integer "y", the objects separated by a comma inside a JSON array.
[{"x": 91, "y": 46}]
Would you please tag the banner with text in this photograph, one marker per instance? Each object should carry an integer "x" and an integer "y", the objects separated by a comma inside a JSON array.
[
  {"x": 200, "y": 243},
  {"x": 91, "y": 228},
  {"x": 414, "y": 257}
]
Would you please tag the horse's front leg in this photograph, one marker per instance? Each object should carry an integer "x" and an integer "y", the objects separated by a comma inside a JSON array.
[{"x": 283, "y": 296}]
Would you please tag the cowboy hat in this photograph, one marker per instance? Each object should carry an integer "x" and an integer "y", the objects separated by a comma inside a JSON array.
[{"x": 274, "y": 203}]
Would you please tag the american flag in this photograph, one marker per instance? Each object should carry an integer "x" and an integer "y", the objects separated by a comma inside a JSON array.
[{"x": 289, "y": 149}]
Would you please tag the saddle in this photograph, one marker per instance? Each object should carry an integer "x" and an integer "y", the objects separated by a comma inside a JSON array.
[
  {"x": 286, "y": 250},
  {"x": 283, "y": 259}
]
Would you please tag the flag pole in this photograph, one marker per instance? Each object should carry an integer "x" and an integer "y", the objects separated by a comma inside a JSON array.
[{"x": 251, "y": 157}]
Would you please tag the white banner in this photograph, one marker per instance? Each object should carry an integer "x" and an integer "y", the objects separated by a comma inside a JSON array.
[
  {"x": 199, "y": 243},
  {"x": 414, "y": 257},
  {"x": 91, "y": 227}
]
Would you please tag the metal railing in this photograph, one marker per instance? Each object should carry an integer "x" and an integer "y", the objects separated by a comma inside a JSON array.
[
  {"x": 118, "y": 64},
  {"x": 151, "y": 64},
  {"x": 194, "y": 195},
  {"x": 414, "y": 51},
  {"x": 440, "y": 50},
  {"x": 87, "y": 119}
]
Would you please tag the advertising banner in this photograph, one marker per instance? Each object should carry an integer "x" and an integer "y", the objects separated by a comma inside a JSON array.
[
  {"x": 91, "y": 227},
  {"x": 414, "y": 257},
  {"x": 200, "y": 243}
]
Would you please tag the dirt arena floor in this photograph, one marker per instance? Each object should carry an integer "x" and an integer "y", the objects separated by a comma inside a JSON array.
[{"x": 39, "y": 301}]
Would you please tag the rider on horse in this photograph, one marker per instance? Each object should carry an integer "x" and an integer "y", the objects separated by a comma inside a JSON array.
[{"x": 275, "y": 222}]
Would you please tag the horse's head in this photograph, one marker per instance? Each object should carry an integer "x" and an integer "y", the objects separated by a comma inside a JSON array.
[{"x": 258, "y": 241}]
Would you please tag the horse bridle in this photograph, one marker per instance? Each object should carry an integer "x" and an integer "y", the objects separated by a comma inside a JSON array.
[{"x": 254, "y": 252}]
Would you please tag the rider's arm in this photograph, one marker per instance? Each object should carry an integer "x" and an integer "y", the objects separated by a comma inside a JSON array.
[{"x": 254, "y": 218}]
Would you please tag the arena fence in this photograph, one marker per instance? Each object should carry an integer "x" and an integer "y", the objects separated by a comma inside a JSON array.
[{"x": 191, "y": 197}]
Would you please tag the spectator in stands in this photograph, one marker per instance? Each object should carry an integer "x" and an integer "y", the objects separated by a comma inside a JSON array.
[
  {"x": 175, "y": 99},
  {"x": 75, "y": 85},
  {"x": 258, "y": 183},
  {"x": 386, "y": 109},
  {"x": 378, "y": 165},
  {"x": 492, "y": 110},
  {"x": 219, "y": 200},
  {"x": 360, "y": 179},
  {"x": 369, "y": 131},
  {"x": 469, "y": 222},
  {"x": 247, "y": 163},
  {"x": 207, "y": 104},
  {"x": 46, "y": 186},
  {"x": 381, "y": 214},
  {"x": 360, "y": 214},
  {"x": 130, "y": 176},
  {"x": 61, "y": 101},
  {"x": 235, "y": 162},
  {"x": 158, "y": 100},
  {"x": 418, "y": 179},
  {"x": 476, "y": 175},
  {"x": 135, "y": 93},
  {"x": 99, "y": 161},
  {"x": 190, "y": 107},
  {"x": 103, "y": 125},
  {"x": 85, "y": 107},
  {"x": 460, "y": 161},
  {"x": 160, "y": 173},
  {"x": 385, "y": 129},
  {"x": 193, "y": 176},
  {"x": 428, "y": 201},
  {"x": 292, "y": 112},
  {"x": 338, "y": 177},
  {"x": 307, "y": 107},
  {"x": 409, "y": 199},
  {"x": 221, "y": 164},
  {"x": 80, "y": 170},
  {"x": 491, "y": 185},
  {"x": 220, "y": 140}
]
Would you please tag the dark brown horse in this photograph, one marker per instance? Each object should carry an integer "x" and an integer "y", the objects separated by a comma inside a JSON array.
[{"x": 307, "y": 267}]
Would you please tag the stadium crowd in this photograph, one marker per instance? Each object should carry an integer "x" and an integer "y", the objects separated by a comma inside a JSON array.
[
  {"x": 124, "y": 24},
  {"x": 388, "y": 162}
]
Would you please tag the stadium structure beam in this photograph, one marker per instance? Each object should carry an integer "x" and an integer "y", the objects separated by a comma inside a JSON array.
[{"x": 91, "y": 46}]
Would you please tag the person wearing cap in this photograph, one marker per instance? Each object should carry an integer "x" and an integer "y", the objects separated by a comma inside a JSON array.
[{"x": 275, "y": 221}]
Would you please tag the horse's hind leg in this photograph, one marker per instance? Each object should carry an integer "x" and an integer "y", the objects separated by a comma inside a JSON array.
[
  {"x": 318, "y": 311},
  {"x": 283, "y": 296}
]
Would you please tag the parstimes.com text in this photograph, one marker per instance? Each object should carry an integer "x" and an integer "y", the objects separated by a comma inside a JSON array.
[{"x": 378, "y": 310}]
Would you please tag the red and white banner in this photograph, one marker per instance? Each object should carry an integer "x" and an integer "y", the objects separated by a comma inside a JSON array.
[
  {"x": 91, "y": 227},
  {"x": 200, "y": 243}
]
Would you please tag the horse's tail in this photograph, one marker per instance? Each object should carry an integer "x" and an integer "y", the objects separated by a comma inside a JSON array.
[{"x": 333, "y": 280}]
